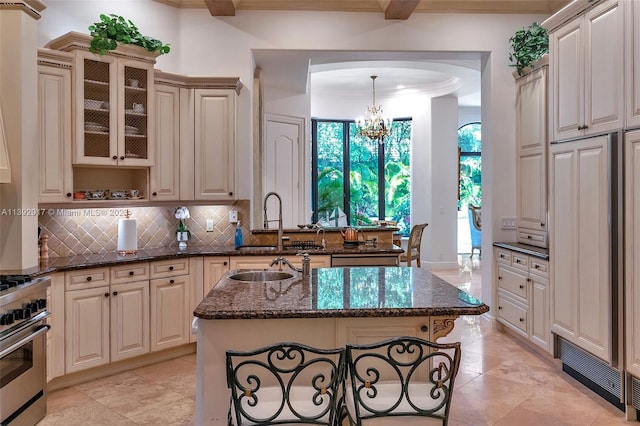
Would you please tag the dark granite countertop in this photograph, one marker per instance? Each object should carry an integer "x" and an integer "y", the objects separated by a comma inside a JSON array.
[
  {"x": 340, "y": 292},
  {"x": 540, "y": 252},
  {"x": 58, "y": 264}
]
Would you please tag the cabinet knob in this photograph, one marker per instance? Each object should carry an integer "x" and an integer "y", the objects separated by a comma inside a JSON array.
[
  {"x": 154, "y": 194},
  {"x": 499, "y": 277},
  {"x": 521, "y": 319},
  {"x": 115, "y": 157},
  {"x": 115, "y": 293},
  {"x": 424, "y": 328},
  {"x": 131, "y": 273},
  {"x": 528, "y": 237},
  {"x": 230, "y": 193},
  {"x": 499, "y": 307},
  {"x": 171, "y": 268},
  {"x": 536, "y": 266},
  {"x": 122, "y": 157},
  {"x": 68, "y": 194},
  {"x": 501, "y": 256},
  {"x": 528, "y": 280},
  {"x": 517, "y": 260},
  {"x": 542, "y": 224},
  {"x": 106, "y": 295},
  {"x": 224, "y": 263},
  {"x": 521, "y": 286},
  {"x": 171, "y": 281},
  {"x": 88, "y": 278}
]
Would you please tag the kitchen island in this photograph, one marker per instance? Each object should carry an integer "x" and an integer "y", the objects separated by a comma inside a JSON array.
[{"x": 332, "y": 307}]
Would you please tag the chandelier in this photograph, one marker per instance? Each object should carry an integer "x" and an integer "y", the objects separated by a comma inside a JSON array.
[{"x": 374, "y": 126}]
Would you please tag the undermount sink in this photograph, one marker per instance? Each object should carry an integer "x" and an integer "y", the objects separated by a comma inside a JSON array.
[
  {"x": 261, "y": 276},
  {"x": 257, "y": 248}
]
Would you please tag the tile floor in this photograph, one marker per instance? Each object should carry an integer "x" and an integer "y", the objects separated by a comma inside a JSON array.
[{"x": 500, "y": 382}]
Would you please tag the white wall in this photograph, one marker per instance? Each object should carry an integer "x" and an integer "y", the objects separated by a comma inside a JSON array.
[{"x": 204, "y": 45}]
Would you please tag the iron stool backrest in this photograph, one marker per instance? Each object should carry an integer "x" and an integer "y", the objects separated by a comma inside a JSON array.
[
  {"x": 284, "y": 383},
  {"x": 404, "y": 376}
]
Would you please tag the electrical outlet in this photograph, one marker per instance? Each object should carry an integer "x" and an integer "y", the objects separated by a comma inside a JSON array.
[
  {"x": 507, "y": 223},
  {"x": 233, "y": 216},
  {"x": 209, "y": 225}
]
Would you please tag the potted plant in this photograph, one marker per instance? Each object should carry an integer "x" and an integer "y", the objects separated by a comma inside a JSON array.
[
  {"x": 528, "y": 45},
  {"x": 113, "y": 29}
]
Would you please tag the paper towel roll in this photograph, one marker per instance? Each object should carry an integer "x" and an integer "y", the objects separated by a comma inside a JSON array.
[{"x": 127, "y": 236}]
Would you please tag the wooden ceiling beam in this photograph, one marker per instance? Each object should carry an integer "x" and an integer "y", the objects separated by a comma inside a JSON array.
[
  {"x": 221, "y": 7},
  {"x": 400, "y": 9}
]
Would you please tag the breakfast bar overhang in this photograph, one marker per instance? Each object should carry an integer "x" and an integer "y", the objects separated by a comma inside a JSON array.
[{"x": 331, "y": 307}]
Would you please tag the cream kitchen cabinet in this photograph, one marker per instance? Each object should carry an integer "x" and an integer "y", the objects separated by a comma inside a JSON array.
[
  {"x": 632, "y": 252},
  {"x": 586, "y": 68},
  {"x": 263, "y": 262},
  {"x": 531, "y": 138},
  {"x": 214, "y": 269},
  {"x": 54, "y": 126},
  {"x": 214, "y": 151},
  {"x": 579, "y": 241},
  {"x": 632, "y": 64},
  {"x": 114, "y": 107},
  {"x": 523, "y": 295},
  {"x": 55, "y": 335},
  {"x": 165, "y": 173},
  {"x": 171, "y": 311},
  {"x": 106, "y": 315}
]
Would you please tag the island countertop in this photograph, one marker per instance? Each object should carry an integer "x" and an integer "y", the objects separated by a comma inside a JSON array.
[{"x": 339, "y": 292}]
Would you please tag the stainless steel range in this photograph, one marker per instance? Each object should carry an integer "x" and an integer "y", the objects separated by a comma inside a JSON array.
[{"x": 23, "y": 310}]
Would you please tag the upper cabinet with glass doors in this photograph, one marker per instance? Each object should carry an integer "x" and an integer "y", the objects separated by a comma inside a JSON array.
[{"x": 113, "y": 103}]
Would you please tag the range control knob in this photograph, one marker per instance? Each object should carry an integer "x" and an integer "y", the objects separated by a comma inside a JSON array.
[
  {"x": 26, "y": 313},
  {"x": 6, "y": 319},
  {"x": 33, "y": 307},
  {"x": 18, "y": 314},
  {"x": 42, "y": 303}
]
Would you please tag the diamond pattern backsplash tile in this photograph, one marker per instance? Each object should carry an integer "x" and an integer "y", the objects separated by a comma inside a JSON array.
[{"x": 86, "y": 231}]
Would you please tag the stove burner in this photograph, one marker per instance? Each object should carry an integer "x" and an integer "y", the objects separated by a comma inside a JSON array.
[
  {"x": 9, "y": 281},
  {"x": 303, "y": 245}
]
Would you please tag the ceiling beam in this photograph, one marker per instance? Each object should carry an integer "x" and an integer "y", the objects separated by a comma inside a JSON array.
[
  {"x": 400, "y": 9},
  {"x": 221, "y": 7}
]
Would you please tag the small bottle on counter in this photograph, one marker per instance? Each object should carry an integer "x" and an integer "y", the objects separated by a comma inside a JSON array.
[{"x": 238, "y": 235}]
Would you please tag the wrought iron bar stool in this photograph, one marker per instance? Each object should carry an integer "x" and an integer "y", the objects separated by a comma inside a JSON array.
[
  {"x": 286, "y": 382},
  {"x": 403, "y": 378}
]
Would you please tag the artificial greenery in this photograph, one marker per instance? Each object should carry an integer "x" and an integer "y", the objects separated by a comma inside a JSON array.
[
  {"x": 113, "y": 29},
  {"x": 528, "y": 45}
]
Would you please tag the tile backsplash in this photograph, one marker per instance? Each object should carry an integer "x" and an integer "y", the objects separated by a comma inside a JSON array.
[{"x": 85, "y": 231}]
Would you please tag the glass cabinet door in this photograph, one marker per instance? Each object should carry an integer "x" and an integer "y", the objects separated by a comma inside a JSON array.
[
  {"x": 96, "y": 138},
  {"x": 135, "y": 101}
]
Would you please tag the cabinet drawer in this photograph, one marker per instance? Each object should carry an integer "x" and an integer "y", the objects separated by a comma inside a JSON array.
[
  {"x": 503, "y": 256},
  {"x": 86, "y": 278},
  {"x": 130, "y": 273},
  {"x": 539, "y": 267},
  {"x": 513, "y": 281},
  {"x": 513, "y": 313},
  {"x": 520, "y": 261},
  {"x": 538, "y": 239},
  {"x": 169, "y": 268}
]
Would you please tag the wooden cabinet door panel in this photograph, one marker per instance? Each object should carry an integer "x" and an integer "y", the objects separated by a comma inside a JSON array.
[
  {"x": 165, "y": 173},
  {"x": 170, "y": 313},
  {"x": 129, "y": 320},
  {"x": 632, "y": 252},
  {"x": 86, "y": 328}
]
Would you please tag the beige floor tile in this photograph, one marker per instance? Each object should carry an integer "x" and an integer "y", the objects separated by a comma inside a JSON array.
[
  {"x": 92, "y": 413},
  {"x": 66, "y": 398}
]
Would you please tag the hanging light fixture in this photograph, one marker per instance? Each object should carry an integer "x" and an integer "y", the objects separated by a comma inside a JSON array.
[{"x": 374, "y": 126}]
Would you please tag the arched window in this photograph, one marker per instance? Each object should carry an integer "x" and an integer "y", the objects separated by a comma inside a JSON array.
[{"x": 470, "y": 166}]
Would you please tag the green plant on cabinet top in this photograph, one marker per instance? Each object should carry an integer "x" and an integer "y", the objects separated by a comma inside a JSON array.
[
  {"x": 528, "y": 45},
  {"x": 113, "y": 29}
]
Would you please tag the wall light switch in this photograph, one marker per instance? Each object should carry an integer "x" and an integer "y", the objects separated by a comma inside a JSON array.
[
  {"x": 233, "y": 216},
  {"x": 508, "y": 223},
  {"x": 209, "y": 225}
]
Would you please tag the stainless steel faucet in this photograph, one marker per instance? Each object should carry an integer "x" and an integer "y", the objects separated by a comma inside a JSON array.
[
  {"x": 283, "y": 260},
  {"x": 266, "y": 221},
  {"x": 324, "y": 242},
  {"x": 306, "y": 264}
]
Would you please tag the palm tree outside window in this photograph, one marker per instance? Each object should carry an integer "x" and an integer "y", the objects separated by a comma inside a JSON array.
[
  {"x": 470, "y": 167},
  {"x": 377, "y": 186}
]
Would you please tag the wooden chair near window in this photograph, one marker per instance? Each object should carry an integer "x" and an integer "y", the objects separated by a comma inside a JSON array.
[
  {"x": 413, "y": 245},
  {"x": 284, "y": 383},
  {"x": 400, "y": 379}
]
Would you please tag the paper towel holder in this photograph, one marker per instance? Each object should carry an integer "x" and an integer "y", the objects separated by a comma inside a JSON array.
[{"x": 129, "y": 250}]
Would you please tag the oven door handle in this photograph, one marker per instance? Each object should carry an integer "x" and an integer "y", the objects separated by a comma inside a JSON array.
[{"x": 39, "y": 330}]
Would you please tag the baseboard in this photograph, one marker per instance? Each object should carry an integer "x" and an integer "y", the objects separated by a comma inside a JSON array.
[
  {"x": 439, "y": 265},
  {"x": 119, "y": 367}
]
